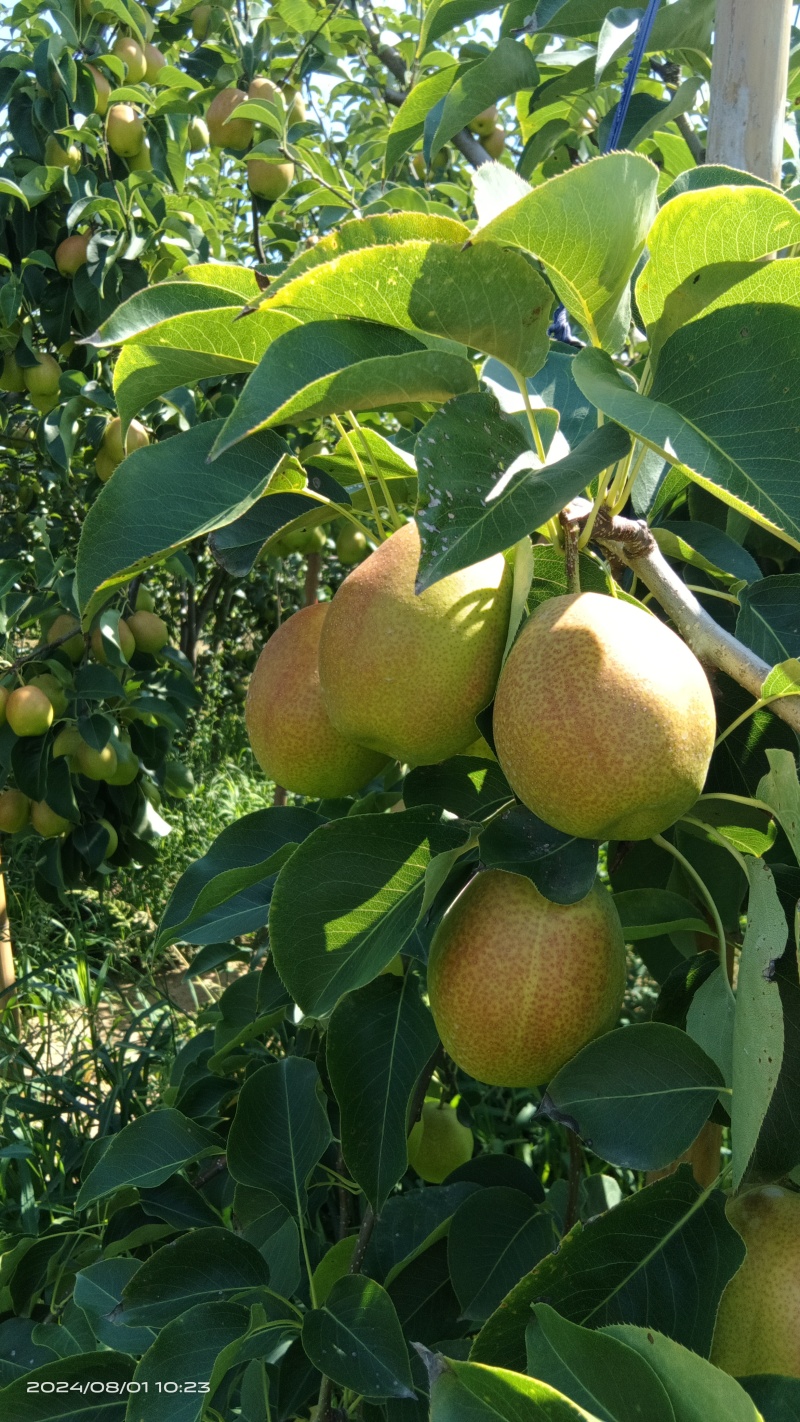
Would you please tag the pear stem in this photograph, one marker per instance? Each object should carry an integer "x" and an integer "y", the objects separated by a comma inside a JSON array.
[
  {"x": 384, "y": 488},
  {"x": 363, "y": 474},
  {"x": 690, "y": 870}
]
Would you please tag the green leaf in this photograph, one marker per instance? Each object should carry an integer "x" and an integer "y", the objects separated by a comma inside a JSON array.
[
  {"x": 163, "y": 496},
  {"x": 707, "y": 548},
  {"x": 647, "y": 913},
  {"x": 783, "y": 680},
  {"x": 409, "y": 121},
  {"x": 196, "y": 1337},
  {"x": 356, "y": 1340},
  {"x": 780, "y": 790},
  {"x": 594, "y": 1369},
  {"x": 327, "y": 367},
  {"x": 349, "y": 898},
  {"x": 27, "y": 1400},
  {"x": 203, "y": 1266},
  {"x": 379, "y": 230},
  {"x": 249, "y": 851},
  {"x": 777, "y": 1398},
  {"x": 420, "y": 286},
  {"x": 637, "y": 1096},
  {"x": 767, "y": 620},
  {"x": 495, "y": 1237},
  {"x": 444, "y": 15},
  {"x": 465, "y": 785},
  {"x": 471, "y": 506},
  {"x": 159, "y": 303},
  {"x": 588, "y": 227},
  {"x": 378, "y": 1042},
  {"x": 280, "y": 1130},
  {"x": 469, "y": 1392},
  {"x": 661, "y": 1259},
  {"x": 188, "y": 348},
  {"x": 758, "y": 1038},
  {"x": 730, "y": 225},
  {"x": 710, "y": 1022},
  {"x": 562, "y": 868},
  {"x": 98, "y": 1291},
  {"x": 714, "y": 407},
  {"x": 146, "y": 1152},
  {"x": 509, "y": 66},
  {"x": 698, "y": 1391},
  {"x": 10, "y": 189}
]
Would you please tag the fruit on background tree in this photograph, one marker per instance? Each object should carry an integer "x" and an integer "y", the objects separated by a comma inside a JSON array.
[{"x": 516, "y": 917}]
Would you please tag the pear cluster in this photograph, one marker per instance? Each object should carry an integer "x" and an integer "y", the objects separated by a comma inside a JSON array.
[
  {"x": 268, "y": 175},
  {"x": 45, "y": 705}
]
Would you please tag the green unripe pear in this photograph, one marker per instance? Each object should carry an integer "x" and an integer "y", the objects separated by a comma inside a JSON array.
[
  {"x": 141, "y": 162},
  {"x": 124, "y": 130},
  {"x": 111, "y": 443},
  {"x": 44, "y": 403},
  {"x": 225, "y": 131},
  {"x": 201, "y": 21},
  {"x": 42, "y": 378},
  {"x": 57, "y": 157},
  {"x": 113, "y": 838},
  {"x": 53, "y": 690},
  {"x": 604, "y": 720},
  {"x": 154, "y": 63},
  {"x": 67, "y": 742},
  {"x": 407, "y": 674},
  {"x": 46, "y": 821},
  {"x": 150, "y": 632},
  {"x": 132, "y": 56},
  {"x": 197, "y": 135},
  {"x": 126, "y": 642},
  {"x": 518, "y": 984},
  {"x": 102, "y": 90},
  {"x": 268, "y": 179},
  {"x": 305, "y": 540},
  {"x": 484, "y": 123},
  {"x": 72, "y": 253},
  {"x": 5, "y": 692},
  {"x": 291, "y": 735},
  {"x": 104, "y": 466},
  {"x": 59, "y": 628},
  {"x": 12, "y": 379},
  {"x": 15, "y": 809},
  {"x": 495, "y": 142},
  {"x": 127, "y": 767},
  {"x": 351, "y": 546},
  {"x": 439, "y": 1143},
  {"x": 758, "y": 1323},
  {"x": 29, "y": 712},
  {"x": 96, "y": 764},
  {"x": 145, "y": 602}
]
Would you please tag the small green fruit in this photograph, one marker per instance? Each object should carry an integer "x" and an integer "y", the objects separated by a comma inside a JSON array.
[
  {"x": 150, "y": 632},
  {"x": 15, "y": 809},
  {"x": 63, "y": 624},
  {"x": 67, "y": 742},
  {"x": 351, "y": 546},
  {"x": 126, "y": 641},
  {"x": 46, "y": 822},
  {"x": 53, "y": 690},
  {"x": 269, "y": 180},
  {"x": 42, "y": 378},
  {"x": 127, "y": 767},
  {"x": 145, "y": 602},
  {"x": 29, "y": 712},
  {"x": 12, "y": 379},
  {"x": 484, "y": 123},
  {"x": 305, "y": 540},
  {"x": 197, "y": 135},
  {"x": 113, "y": 838},
  {"x": 124, "y": 130},
  {"x": 439, "y": 1143},
  {"x": 96, "y": 764},
  {"x": 72, "y": 253},
  {"x": 132, "y": 56}
]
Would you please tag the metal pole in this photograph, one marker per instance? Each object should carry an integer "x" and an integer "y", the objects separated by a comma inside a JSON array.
[{"x": 748, "y": 86}]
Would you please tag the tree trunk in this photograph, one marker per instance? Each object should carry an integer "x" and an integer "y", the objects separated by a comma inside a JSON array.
[{"x": 748, "y": 86}]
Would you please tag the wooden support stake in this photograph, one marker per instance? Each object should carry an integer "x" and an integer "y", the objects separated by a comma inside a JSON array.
[
  {"x": 748, "y": 86},
  {"x": 7, "y": 974}
]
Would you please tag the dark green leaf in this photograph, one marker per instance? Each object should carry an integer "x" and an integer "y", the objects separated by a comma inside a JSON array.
[
  {"x": 378, "y": 1042},
  {"x": 146, "y": 1152},
  {"x": 24, "y": 1400},
  {"x": 196, "y": 1338},
  {"x": 495, "y": 1237},
  {"x": 562, "y": 868},
  {"x": 769, "y": 620},
  {"x": 280, "y": 1130},
  {"x": 356, "y": 1339},
  {"x": 465, "y": 786},
  {"x": 204, "y": 1266},
  {"x": 595, "y": 1370},
  {"x": 509, "y": 66}
]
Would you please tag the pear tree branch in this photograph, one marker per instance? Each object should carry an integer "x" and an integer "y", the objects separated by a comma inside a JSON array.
[{"x": 632, "y": 542}]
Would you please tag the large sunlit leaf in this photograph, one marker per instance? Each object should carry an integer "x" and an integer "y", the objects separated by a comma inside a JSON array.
[
  {"x": 722, "y": 409},
  {"x": 594, "y": 1369},
  {"x": 328, "y": 367},
  {"x": 698, "y": 1391},
  {"x": 468, "y": 1392},
  {"x": 588, "y": 227},
  {"x": 438, "y": 288},
  {"x": 201, "y": 289}
]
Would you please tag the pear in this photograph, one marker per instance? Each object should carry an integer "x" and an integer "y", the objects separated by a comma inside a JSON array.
[
  {"x": 267, "y": 179},
  {"x": 29, "y": 712},
  {"x": 407, "y": 674},
  {"x": 74, "y": 646},
  {"x": 102, "y": 90},
  {"x": 124, "y": 130},
  {"x": 15, "y": 809},
  {"x": 351, "y": 546},
  {"x": 126, "y": 641},
  {"x": 42, "y": 378},
  {"x": 13, "y": 376},
  {"x": 484, "y": 123},
  {"x": 604, "y": 720},
  {"x": 224, "y": 131},
  {"x": 758, "y": 1322},
  {"x": 46, "y": 821},
  {"x": 132, "y": 55},
  {"x": 72, "y": 253},
  {"x": 291, "y": 735},
  {"x": 96, "y": 764},
  {"x": 150, "y": 632},
  {"x": 518, "y": 984},
  {"x": 439, "y": 1143},
  {"x": 495, "y": 142}
]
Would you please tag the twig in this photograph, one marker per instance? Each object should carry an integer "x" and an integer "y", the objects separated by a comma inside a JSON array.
[
  {"x": 258, "y": 245},
  {"x": 571, "y": 552},
  {"x": 368, "y": 1224},
  {"x": 690, "y": 138},
  {"x": 575, "y": 1173},
  {"x": 41, "y": 653},
  {"x": 632, "y": 542}
]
